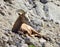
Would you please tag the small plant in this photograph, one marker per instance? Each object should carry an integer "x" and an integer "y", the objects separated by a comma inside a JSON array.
[{"x": 31, "y": 46}]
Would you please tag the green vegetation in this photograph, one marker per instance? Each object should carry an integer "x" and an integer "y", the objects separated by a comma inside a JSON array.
[{"x": 31, "y": 46}]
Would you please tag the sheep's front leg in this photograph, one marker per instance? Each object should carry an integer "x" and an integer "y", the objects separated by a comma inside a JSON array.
[{"x": 26, "y": 28}]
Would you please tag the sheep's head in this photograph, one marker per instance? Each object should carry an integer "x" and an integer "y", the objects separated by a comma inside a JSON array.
[{"x": 21, "y": 12}]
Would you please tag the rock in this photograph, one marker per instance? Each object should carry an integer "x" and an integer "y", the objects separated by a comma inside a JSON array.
[
  {"x": 12, "y": 46},
  {"x": 43, "y": 1},
  {"x": 42, "y": 41},
  {"x": 48, "y": 44},
  {"x": 34, "y": 41},
  {"x": 53, "y": 11},
  {"x": 7, "y": 45},
  {"x": 24, "y": 45},
  {"x": 42, "y": 15},
  {"x": 3, "y": 37}
]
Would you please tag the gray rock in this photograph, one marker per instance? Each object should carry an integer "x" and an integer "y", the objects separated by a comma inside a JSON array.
[
  {"x": 42, "y": 41},
  {"x": 42, "y": 15},
  {"x": 43, "y": 1},
  {"x": 12, "y": 46},
  {"x": 24, "y": 45},
  {"x": 53, "y": 12}
]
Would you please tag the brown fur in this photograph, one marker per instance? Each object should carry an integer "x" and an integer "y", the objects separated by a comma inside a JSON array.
[
  {"x": 21, "y": 24},
  {"x": 20, "y": 20}
]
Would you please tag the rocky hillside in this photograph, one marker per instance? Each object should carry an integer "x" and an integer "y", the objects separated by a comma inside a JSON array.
[{"x": 43, "y": 16}]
